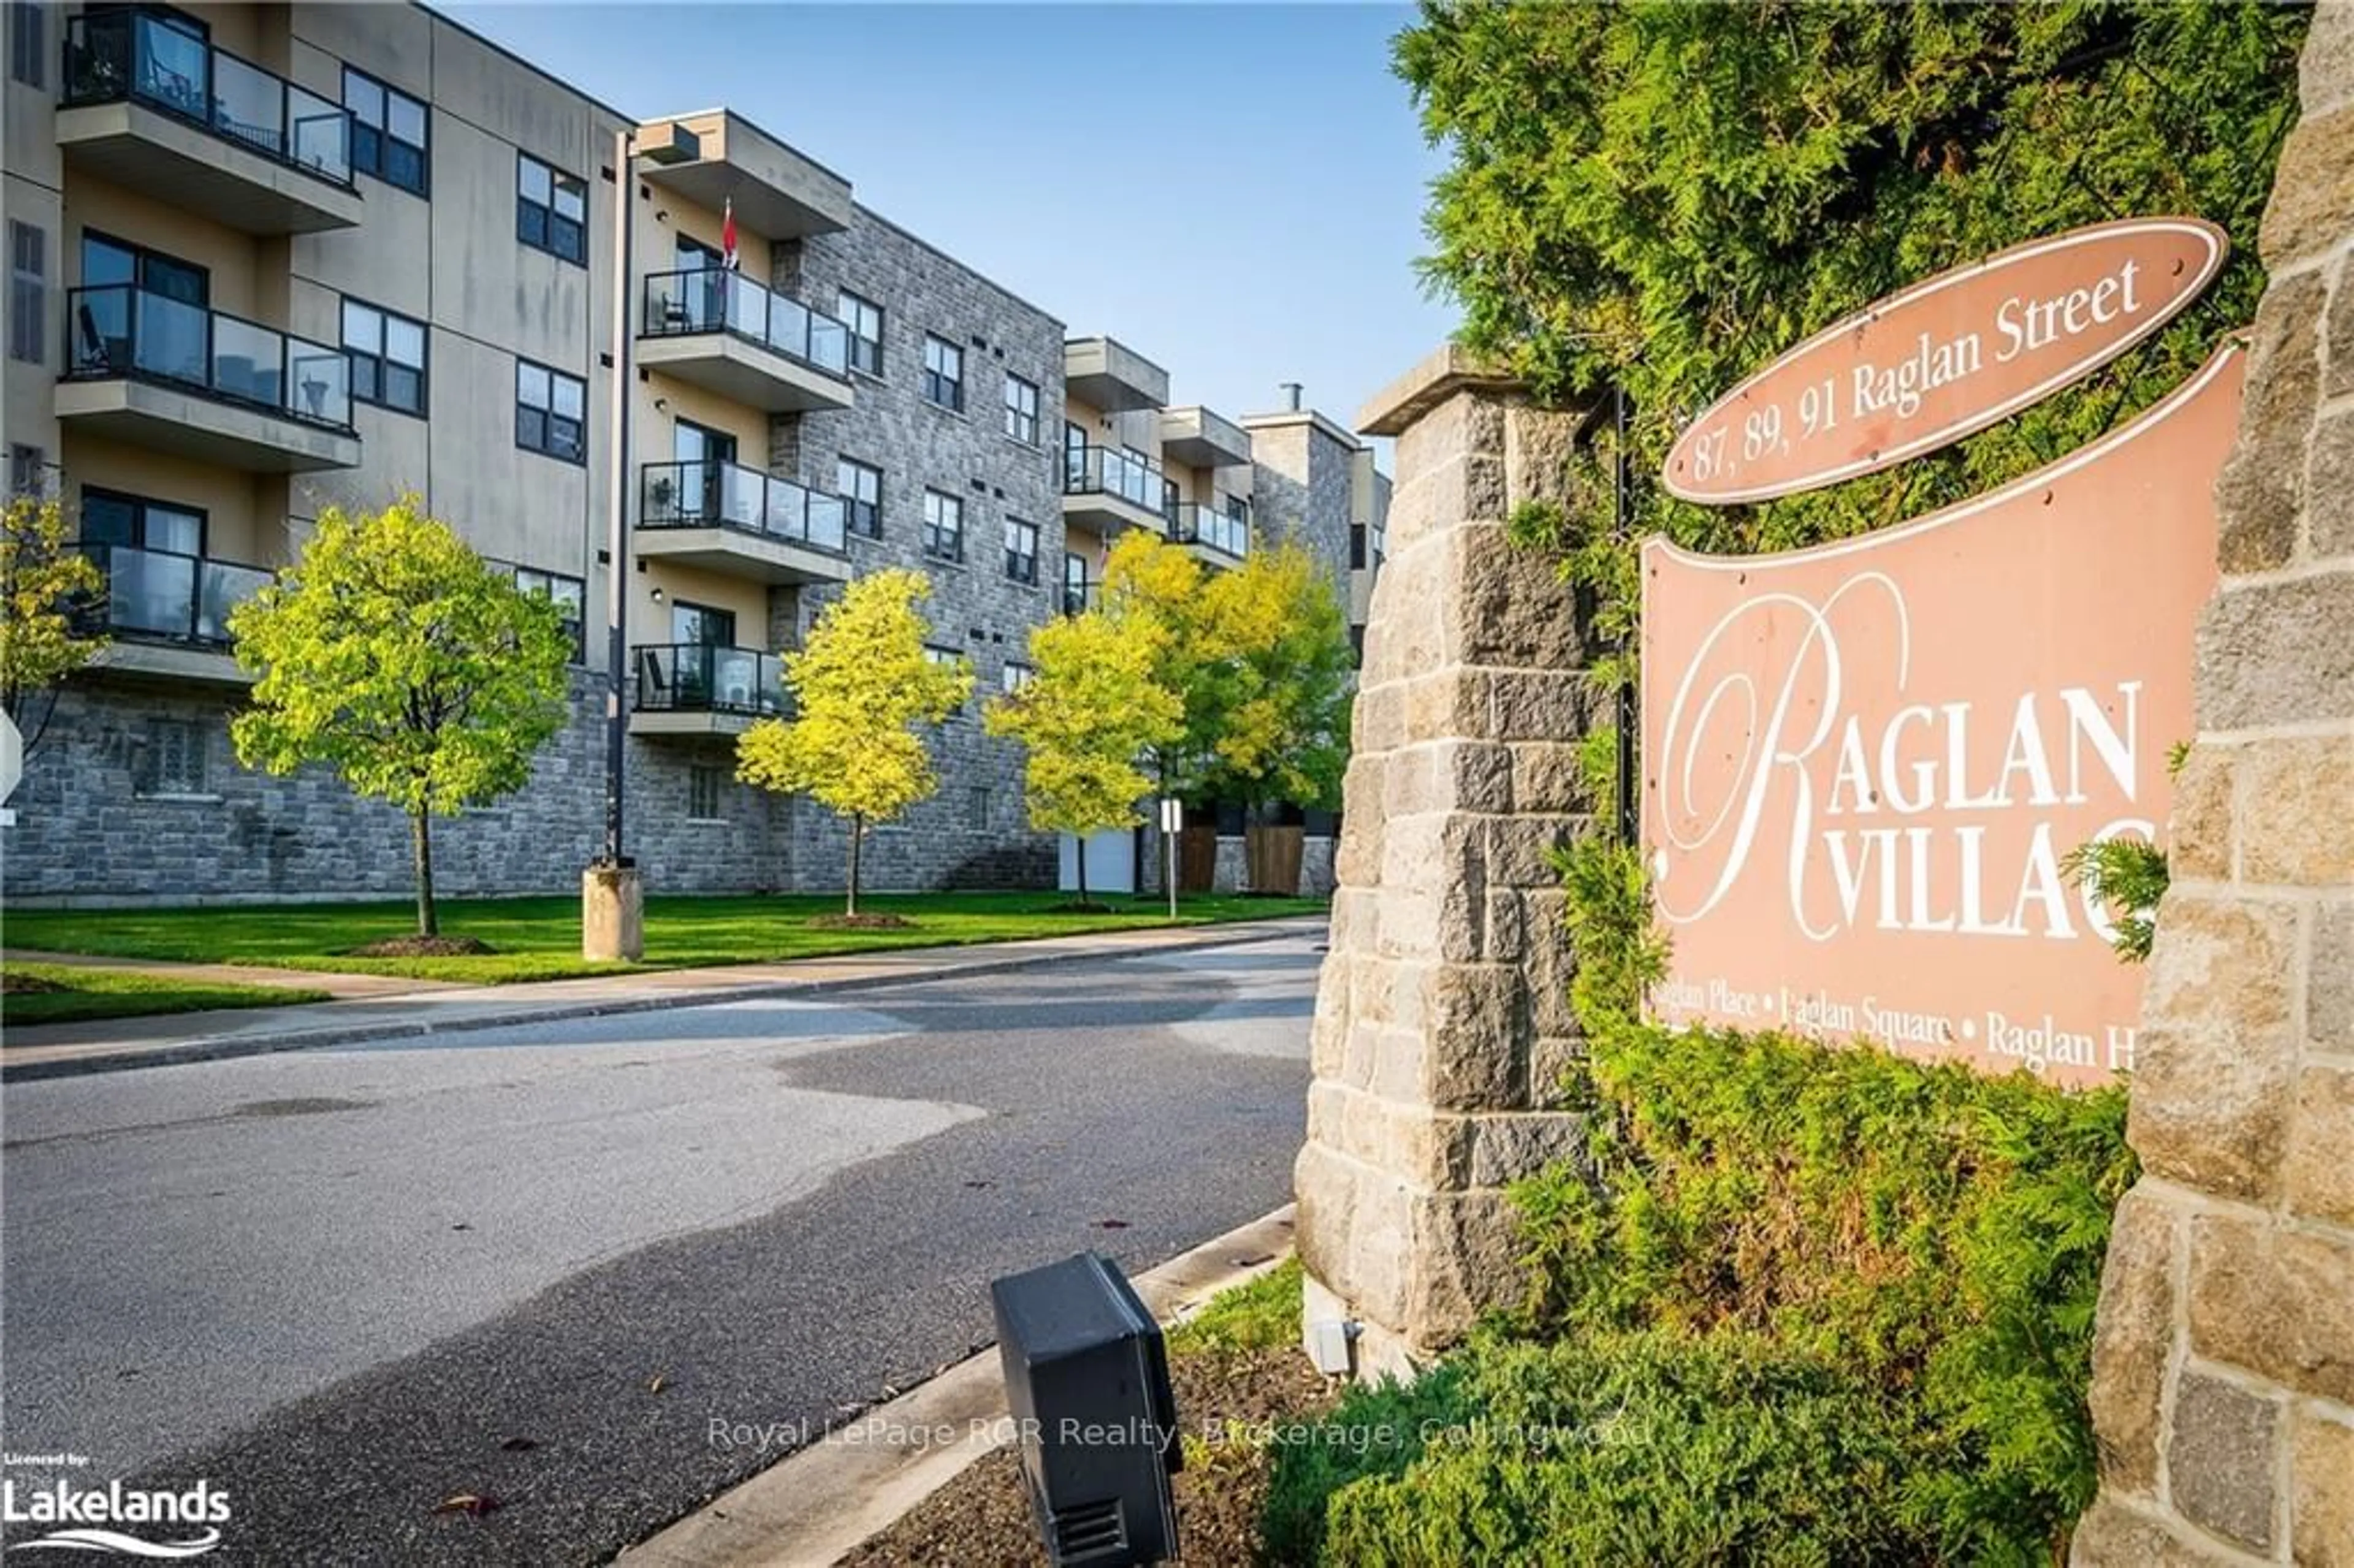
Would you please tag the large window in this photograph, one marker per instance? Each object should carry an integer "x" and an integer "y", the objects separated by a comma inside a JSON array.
[
  {"x": 551, "y": 211},
  {"x": 864, "y": 317},
  {"x": 703, "y": 788},
  {"x": 388, "y": 134},
  {"x": 860, "y": 485},
  {"x": 943, "y": 371},
  {"x": 551, "y": 411},
  {"x": 1020, "y": 550},
  {"x": 175, "y": 760},
  {"x": 1022, "y": 411},
  {"x": 111, "y": 517},
  {"x": 387, "y": 355},
  {"x": 943, "y": 526},
  {"x": 569, "y": 594},
  {"x": 29, "y": 273}
]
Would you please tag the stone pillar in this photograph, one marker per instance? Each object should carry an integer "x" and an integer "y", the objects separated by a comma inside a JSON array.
[
  {"x": 612, "y": 913},
  {"x": 2224, "y": 1359},
  {"x": 1442, "y": 1032}
]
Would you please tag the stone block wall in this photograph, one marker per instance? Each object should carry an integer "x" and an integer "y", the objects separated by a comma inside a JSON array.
[
  {"x": 2223, "y": 1361},
  {"x": 1442, "y": 1036}
]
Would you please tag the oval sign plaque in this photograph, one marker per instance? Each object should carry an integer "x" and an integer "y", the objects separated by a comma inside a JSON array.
[{"x": 1945, "y": 358}]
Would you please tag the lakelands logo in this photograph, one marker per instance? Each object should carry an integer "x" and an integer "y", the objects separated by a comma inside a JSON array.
[
  {"x": 1864, "y": 765},
  {"x": 89, "y": 1517}
]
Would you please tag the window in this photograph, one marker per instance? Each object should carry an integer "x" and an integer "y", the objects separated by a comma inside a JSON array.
[
  {"x": 28, "y": 272},
  {"x": 943, "y": 373},
  {"x": 550, "y": 408},
  {"x": 551, "y": 211},
  {"x": 387, "y": 355},
  {"x": 28, "y": 45},
  {"x": 860, "y": 485},
  {"x": 1356, "y": 546},
  {"x": 1015, "y": 676},
  {"x": 568, "y": 593},
  {"x": 943, "y": 526},
  {"x": 1020, "y": 550},
  {"x": 1022, "y": 411},
  {"x": 108, "y": 517},
  {"x": 949, "y": 658},
  {"x": 976, "y": 805},
  {"x": 387, "y": 132},
  {"x": 28, "y": 472},
  {"x": 176, "y": 757},
  {"x": 702, "y": 787},
  {"x": 864, "y": 319}
]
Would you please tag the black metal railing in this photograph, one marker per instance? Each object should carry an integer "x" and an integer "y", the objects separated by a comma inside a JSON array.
[
  {"x": 1211, "y": 527},
  {"x": 164, "y": 596},
  {"x": 712, "y": 494},
  {"x": 141, "y": 57},
  {"x": 695, "y": 677},
  {"x": 1102, "y": 470},
  {"x": 119, "y": 330},
  {"x": 713, "y": 299}
]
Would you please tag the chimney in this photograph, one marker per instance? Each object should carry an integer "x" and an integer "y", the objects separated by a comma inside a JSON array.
[{"x": 1291, "y": 390}]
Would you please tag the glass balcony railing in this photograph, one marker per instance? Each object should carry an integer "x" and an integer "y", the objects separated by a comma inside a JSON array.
[
  {"x": 117, "y": 329},
  {"x": 1213, "y": 528},
  {"x": 158, "y": 60},
  {"x": 1101, "y": 470},
  {"x": 711, "y": 299},
  {"x": 1078, "y": 597},
  {"x": 693, "y": 677},
  {"x": 163, "y": 596},
  {"x": 712, "y": 495}
]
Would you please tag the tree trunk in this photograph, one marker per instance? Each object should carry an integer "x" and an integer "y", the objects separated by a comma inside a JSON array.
[
  {"x": 857, "y": 832},
  {"x": 428, "y": 921},
  {"x": 1083, "y": 869}
]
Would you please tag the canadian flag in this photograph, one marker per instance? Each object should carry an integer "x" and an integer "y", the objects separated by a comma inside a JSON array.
[{"x": 727, "y": 235}]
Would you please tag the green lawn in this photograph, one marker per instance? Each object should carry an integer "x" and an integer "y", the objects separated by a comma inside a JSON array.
[
  {"x": 539, "y": 938},
  {"x": 120, "y": 993}
]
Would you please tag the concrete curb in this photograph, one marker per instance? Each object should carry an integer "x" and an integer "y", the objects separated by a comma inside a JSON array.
[
  {"x": 811, "y": 1508},
  {"x": 229, "y": 1046}
]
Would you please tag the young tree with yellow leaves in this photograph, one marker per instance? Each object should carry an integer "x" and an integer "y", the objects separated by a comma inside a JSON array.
[
  {"x": 1283, "y": 720},
  {"x": 397, "y": 657},
  {"x": 859, "y": 686},
  {"x": 1086, "y": 717},
  {"x": 41, "y": 577}
]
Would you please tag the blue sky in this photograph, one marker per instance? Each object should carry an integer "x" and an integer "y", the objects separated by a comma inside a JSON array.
[{"x": 1234, "y": 191}]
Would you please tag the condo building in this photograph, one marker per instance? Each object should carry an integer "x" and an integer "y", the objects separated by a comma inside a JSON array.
[{"x": 267, "y": 259}]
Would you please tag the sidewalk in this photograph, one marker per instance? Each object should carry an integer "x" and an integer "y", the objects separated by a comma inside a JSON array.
[{"x": 377, "y": 1007}]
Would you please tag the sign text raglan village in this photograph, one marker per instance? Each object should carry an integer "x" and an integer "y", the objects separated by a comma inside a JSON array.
[{"x": 1863, "y": 764}]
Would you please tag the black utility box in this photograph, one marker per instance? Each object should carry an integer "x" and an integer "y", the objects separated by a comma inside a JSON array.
[{"x": 1086, "y": 1378}]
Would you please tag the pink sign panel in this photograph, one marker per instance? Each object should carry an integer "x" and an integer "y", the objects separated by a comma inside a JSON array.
[{"x": 1863, "y": 762}]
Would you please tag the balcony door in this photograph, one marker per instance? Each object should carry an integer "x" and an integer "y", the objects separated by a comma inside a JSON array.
[
  {"x": 136, "y": 301},
  {"x": 149, "y": 554},
  {"x": 1074, "y": 454},
  {"x": 703, "y": 635},
  {"x": 703, "y": 455}
]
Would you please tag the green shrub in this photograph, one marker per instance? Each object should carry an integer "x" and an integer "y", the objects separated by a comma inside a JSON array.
[
  {"x": 1257, "y": 1315},
  {"x": 1376, "y": 1430},
  {"x": 1644, "y": 1449}
]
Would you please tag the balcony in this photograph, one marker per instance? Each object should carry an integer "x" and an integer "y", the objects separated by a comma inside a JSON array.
[
  {"x": 177, "y": 377},
  {"x": 148, "y": 105},
  {"x": 1216, "y": 537},
  {"x": 729, "y": 518},
  {"x": 1199, "y": 438},
  {"x": 1107, "y": 491},
  {"x": 168, "y": 613},
  {"x": 722, "y": 332},
  {"x": 691, "y": 689},
  {"x": 1081, "y": 596},
  {"x": 1112, "y": 378},
  {"x": 778, "y": 193}
]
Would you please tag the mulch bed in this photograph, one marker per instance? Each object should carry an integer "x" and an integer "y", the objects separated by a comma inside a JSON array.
[
  {"x": 861, "y": 923},
  {"x": 982, "y": 1520},
  {"x": 21, "y": 985},
  {"x": 421, "y": 948}
]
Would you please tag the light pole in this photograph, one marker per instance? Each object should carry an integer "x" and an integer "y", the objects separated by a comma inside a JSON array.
[{"x": 612, "y": 900}]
